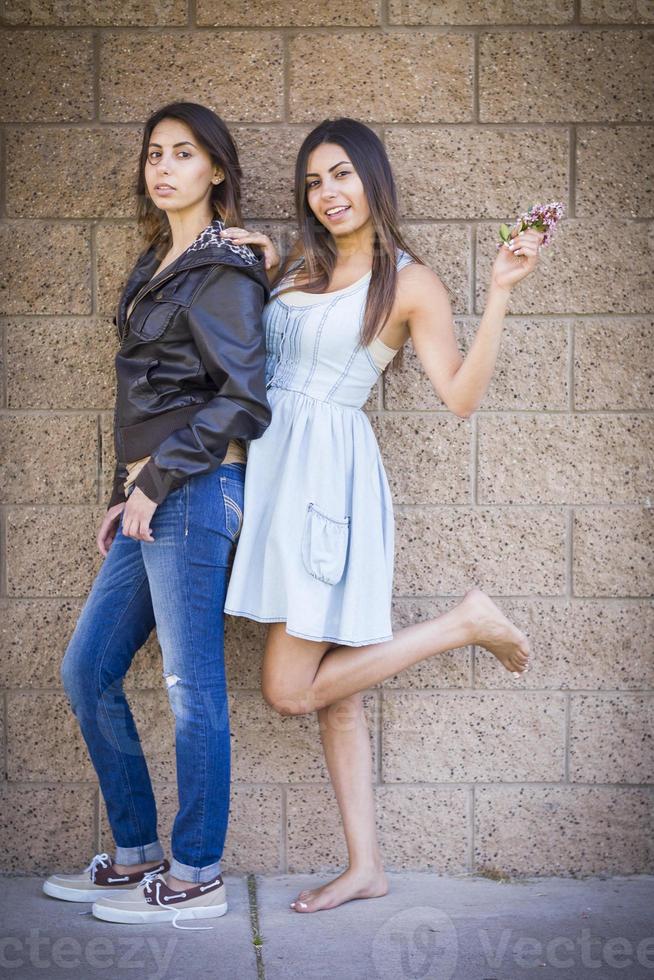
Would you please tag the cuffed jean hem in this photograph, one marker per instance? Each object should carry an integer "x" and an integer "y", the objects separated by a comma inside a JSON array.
[
  {"x": 140, "y": 854},
  {"x": 185, "y": 872}
]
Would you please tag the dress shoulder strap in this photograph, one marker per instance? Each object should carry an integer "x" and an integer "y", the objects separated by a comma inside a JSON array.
[{"x": 403, "y": 258}]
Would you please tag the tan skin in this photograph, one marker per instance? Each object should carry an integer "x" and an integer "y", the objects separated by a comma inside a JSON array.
[
  {"x": 302, "y": 675},
  {"x": 174, "y": 158}
]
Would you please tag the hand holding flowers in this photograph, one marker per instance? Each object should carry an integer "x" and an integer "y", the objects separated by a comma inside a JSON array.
[{"x": 519, "y": 246}]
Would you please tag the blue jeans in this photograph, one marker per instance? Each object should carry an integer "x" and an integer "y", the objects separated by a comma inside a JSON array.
[{"x": 178, "y": 584}]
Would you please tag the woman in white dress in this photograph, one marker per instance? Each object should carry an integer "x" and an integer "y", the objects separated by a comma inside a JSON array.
[{"x": 315, "y": 555}]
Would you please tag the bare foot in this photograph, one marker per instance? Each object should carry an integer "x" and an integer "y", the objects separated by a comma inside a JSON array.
[
  {"x": 493, "y": 631},
  {"x": 367, "y": 883}
]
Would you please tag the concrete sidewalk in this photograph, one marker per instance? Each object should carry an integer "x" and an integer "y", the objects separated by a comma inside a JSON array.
[{"x": 429, "y": 926}]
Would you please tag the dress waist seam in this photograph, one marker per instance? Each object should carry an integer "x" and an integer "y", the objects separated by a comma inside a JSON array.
[{"x": 313, "y": 398}]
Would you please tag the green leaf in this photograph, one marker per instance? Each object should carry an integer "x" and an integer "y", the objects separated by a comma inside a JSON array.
[{"x": 504, "y": 232}]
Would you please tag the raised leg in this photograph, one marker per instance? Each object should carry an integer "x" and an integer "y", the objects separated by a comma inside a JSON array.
[{"x": 299, "y": 676}]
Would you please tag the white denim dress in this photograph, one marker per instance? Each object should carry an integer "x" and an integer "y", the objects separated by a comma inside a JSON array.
[{"x": 316, "y": 545}]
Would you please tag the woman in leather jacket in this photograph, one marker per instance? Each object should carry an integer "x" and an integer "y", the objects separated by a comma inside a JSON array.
[{"x": 190, "y": 374}]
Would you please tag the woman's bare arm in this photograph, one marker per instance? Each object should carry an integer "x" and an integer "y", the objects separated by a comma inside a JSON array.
[{"x": 462, "y": 383}]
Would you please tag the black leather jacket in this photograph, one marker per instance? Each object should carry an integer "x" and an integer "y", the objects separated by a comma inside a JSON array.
[{"x": 191, "y": 365}]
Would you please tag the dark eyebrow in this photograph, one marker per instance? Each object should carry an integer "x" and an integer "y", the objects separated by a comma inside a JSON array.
[
  {"x": 347, "y": 162},
  {"x": 183, "y": 143}
]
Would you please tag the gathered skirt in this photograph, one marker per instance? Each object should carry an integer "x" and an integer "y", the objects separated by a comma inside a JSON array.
[{"x": 316, "y": 546}]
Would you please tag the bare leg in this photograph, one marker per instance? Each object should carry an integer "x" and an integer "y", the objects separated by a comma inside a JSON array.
[
  {"x": 344, "y": 734},
  {"x": 300, "y": 676}
]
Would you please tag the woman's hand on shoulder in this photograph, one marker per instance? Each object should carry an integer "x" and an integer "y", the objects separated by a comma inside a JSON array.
[{"x": 241, "y": 236}]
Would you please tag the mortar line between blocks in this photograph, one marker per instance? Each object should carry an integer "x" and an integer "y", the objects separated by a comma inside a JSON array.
[
  {"x": 286, "y": 78},
  {"x": 572, "y": 177},
  {"x": 97, "y": 822},
  {"x": 95, "y": 81},
  {"x": 471, "y": 835},
  {"x": 283, "y": 855},
  {"x": 254, "y": 925},
  {"x": 571, "y": 364},
  {"x": 566, "y": 738},
  {"x": 100, "y": 472}
]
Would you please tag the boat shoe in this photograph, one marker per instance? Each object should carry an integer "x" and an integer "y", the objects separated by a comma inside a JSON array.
[
  {"x": 99, "y": 880},
  {"x": 154, "y": 901}
]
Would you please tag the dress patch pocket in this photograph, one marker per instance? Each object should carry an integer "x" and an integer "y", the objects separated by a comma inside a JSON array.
[{"x": 324, "y": 545}]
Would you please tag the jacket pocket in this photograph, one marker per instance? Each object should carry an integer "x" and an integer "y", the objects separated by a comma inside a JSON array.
[
  {"x": 232, "y": 491},
  {"x": 155, "y": 322},
  {"x": 324, "y": 545},
  {"x": 143, "y": 383}
]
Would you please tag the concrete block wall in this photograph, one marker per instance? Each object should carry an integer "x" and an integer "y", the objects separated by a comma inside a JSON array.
[{"x": 543, "y": 497}]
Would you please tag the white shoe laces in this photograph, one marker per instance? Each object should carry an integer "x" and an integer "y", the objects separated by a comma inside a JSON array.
[
  {"x": 99, "y": 861},
  {"x": 146, "y": 883}
]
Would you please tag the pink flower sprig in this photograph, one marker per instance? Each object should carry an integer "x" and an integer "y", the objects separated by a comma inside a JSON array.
[{"x": 542, "y": 217}]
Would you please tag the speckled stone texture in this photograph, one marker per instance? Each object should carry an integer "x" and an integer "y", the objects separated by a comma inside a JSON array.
[
  {"x": 271, "y": 748},
  {"x": 445, "y": 248},
  {"x": 596, "y": 267},
  {"x": 51, "y": 551},
  {"x": 144, "y": 13},
  {"x": 46, "y": 268},
  {"x": 530, "y": 372},
  {"x": 563, "y": 830},
  {"x": 51, "y": 460},
  {"x": 444, "y": 550},
  {"x": 616, "y": 12},
  {"x": 421, "y": 827},
  {"x": 615, "y": 170},
  {"x": 589, "y": 459},
  {"x": 401, "y": 77},
  {"x": 480, "y": 12},
  {"x": 84, "y": 173},
  {"x": 279, "y": 13},
  {"x": 440, "y": 445},
  {"x": 254, "y": 832},
  {"x": 542, "y": 496},
  {"x": 578, "y": 644},
  {"x": 621, "y": 750},
  {"x": 591, "y": 76},
  {"x": 456, "y": 172},
  {"x": 626, "y": 381},
  {"x": 60, "y": 363},
  {"x": 34, "y": 634},
  {"x": 268, "y": 161},
  {"x": 117, "y": 247},
  {"x": 126, "y": 69},
  {"x": 612, "y": 551},
  {"x": 47, "y": 827},
  {"x": 485, "y": 736},
  {"x": 50, "y": 76}
]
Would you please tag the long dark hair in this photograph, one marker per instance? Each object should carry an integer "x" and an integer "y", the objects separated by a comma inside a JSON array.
[
  {"x": 316, "y": 246},
  {"x": 211, "y": 133}
]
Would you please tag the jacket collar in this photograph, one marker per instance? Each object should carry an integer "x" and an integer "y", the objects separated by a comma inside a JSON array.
[{"x": 207, "y": 249}]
